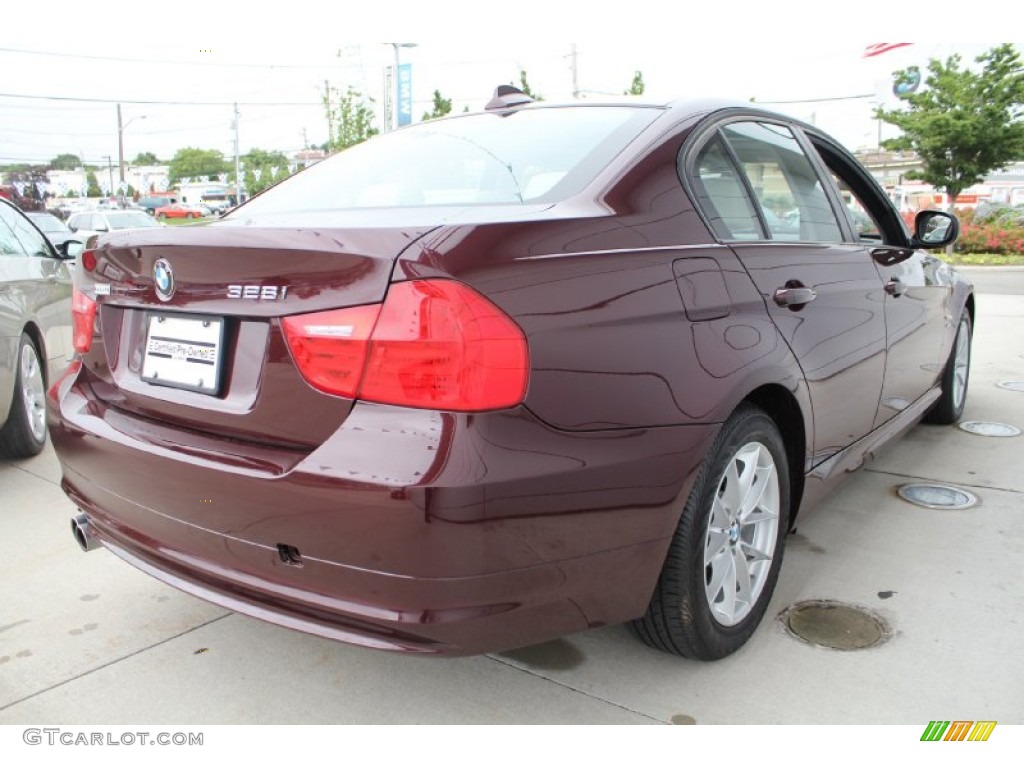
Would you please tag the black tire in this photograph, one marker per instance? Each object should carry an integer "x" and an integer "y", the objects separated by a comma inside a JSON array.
[
  {"x": 23, "y": 433},
  {"x": 684, "y": 618},
  {"x": 950, "y": 406}
]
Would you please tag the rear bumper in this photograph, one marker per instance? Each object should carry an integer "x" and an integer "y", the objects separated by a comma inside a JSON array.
[{"x": 414, "y": 531}]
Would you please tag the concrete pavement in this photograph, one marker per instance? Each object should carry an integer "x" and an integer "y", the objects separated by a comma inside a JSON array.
[{"x": 85, "y": 638}]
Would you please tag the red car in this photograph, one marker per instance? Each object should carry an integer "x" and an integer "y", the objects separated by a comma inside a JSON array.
[
  {"x": 497, "y": 378},
  {"x": 178, "y": 211}
]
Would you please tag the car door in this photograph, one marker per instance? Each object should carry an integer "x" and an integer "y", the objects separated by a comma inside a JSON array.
[
  {"x": 762, "y": 194},
  {"x": 917, "y": 285},
  {"x": 36, "y": 287}
]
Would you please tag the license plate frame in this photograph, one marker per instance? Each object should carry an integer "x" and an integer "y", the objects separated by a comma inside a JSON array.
[{"x": 184, "y": 351}]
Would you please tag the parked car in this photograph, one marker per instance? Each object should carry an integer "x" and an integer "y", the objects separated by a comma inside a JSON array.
[
  {"x": 500, "y": 377},
  {"x": 181, "y": 211},
  {"x": 150, "y": 204},
  {"x": 55, "y": 230},
  {"x": 88, "y": 223},
  {"x": 35, "y": 329}
]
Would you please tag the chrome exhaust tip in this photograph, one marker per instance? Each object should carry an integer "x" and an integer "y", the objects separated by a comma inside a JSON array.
[{"x": 81, "y": 530}]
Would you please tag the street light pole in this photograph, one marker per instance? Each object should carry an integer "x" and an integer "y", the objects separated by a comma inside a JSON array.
[
  {"x": 110, "y": 170},
  {"x": 120, "y": 149}
]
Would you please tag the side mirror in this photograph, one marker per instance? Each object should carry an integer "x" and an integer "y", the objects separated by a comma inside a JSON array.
[
  {"x": 935, "y": 229},
  {"x": 70, "y": 249}
]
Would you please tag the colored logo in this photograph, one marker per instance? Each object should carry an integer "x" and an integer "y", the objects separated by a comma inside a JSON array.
[
  {"x": 958, "y": 730},
  {"x": 163, "y": 279},
  {"x": 908, "y": 84}
]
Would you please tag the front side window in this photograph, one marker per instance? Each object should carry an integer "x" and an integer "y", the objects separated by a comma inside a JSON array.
[
  {"x": 34, "y": 243},
  {"x": 9, "y": 244}
]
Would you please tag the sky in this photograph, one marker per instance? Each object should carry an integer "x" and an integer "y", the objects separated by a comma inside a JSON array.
[{"x": 177, "y": 79}]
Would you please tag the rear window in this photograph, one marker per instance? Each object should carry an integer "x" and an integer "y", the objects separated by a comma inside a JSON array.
[
  {"x": 530, "y": 156},
  {"x": 131, "y": 220}
]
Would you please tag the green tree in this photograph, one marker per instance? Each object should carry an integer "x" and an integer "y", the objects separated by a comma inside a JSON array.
[
  {"x": 524, "y": 86},
  {"x": 65, "y": 162},
  {"x": 146, "y": 158},
  {"x": 262, "y": 169},
  {"x": 194, "y": 163},
  {"x": 636, "y": 88},
  {"x": 350, "y": 118},
  {"x": 441, "y": 107},
  {"x": 93, "y": 185},
  {"x": 963, "y": 124}
]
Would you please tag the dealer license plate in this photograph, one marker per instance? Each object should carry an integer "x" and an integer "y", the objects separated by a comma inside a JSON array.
[{"x": 184, "y": 352}]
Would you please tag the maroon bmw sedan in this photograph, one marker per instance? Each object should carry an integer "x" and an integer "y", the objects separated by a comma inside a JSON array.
[{"x": 497, "y": 378}]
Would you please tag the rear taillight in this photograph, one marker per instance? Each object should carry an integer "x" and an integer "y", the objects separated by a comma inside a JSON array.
[
  {"x": 83, "y": 320},
  {"x": 431, "y": 344}
]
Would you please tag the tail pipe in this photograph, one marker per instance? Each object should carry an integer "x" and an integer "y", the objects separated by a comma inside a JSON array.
[{"x": 81, "y": 529}]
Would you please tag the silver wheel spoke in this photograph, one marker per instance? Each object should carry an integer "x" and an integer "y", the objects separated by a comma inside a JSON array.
[
  {"x": 744, "y": 590},
  {"x": 721, "y": 572}
]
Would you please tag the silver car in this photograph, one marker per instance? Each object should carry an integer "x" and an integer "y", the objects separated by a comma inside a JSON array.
[
  {"x": 97, "y": 222},
  {"x": 35, "y": 328}
]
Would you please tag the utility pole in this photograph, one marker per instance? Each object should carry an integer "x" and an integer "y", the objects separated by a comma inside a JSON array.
[
  {"x": 330, "y": 124},
  {"x": 120, "y": 155},
  {"x": 575, "y": 74},
  {"x": 238, "y": 175}
]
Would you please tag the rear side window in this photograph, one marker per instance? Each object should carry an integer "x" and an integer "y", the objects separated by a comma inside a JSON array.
[
  {"x": 754, "y": 182},
  {"x": 784, "y": 182},
  {"x": 722, "y": 196}
]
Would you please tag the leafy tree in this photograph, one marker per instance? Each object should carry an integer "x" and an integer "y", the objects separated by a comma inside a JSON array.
[
  {"x": 146, "y": 158},
  {"x": 262, "y": 169},
  {"x": 192, "y": 163},
  {"x": 93, "y": 185},
  {"x": 351, "y": 120},
  {"x": 65, "y": 162},
  {"x": 636, "y": 88},
  {"x": 442, "y": 107},
  {"x": 964, "y": 124},
  {"x": 525, "y": 87}
]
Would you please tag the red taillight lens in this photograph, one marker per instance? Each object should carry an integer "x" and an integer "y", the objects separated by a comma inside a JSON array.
[
  {"x": 88, "y": 260},
  {"x": 83, "y": 320},
  {"x": 435, "y": 344},
  {"x": 330, "y": 347}
]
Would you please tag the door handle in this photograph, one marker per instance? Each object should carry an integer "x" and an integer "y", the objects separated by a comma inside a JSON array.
[
  {"x": 794, "y": 295},
  {"x": 895, "y": 287}
]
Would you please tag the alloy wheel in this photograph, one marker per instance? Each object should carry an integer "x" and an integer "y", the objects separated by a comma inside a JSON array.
[{"x": 742, "y": 531}]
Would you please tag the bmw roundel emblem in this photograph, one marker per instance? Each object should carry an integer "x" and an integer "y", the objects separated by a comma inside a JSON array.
[{"x": 163, "y": 279}]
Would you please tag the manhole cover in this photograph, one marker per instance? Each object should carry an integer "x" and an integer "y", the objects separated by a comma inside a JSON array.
[
  {"x": 989, "y": 428},
  {"x": 832, "y": 624},
  {"x": 937, "y": 496},
  {"x": 1013, "y": 386}
]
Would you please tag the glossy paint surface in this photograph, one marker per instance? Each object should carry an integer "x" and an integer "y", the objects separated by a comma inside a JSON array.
[{"x": 438, "y": 532}]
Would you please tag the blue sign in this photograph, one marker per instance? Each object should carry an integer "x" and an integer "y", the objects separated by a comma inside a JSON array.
[{"x": 404, "y": 94}]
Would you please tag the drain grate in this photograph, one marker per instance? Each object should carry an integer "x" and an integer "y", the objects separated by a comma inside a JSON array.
[
  {"x": 1013, "y": 386},
  {"x": 935, "y": 496},
  {"x": 989, "y": 428},
  {"x": 835, "y": 625}
]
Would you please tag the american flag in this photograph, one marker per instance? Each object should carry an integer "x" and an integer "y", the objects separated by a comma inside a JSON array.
[{"x": 877, "y": 49}]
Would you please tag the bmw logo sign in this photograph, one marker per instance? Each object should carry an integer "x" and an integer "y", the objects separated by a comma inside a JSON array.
[{"x": 163, "y": 279}]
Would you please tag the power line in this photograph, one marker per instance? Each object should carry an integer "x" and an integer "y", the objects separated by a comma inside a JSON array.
[
  {"x": 177, "y": 63},
  {"x": 167, "y": 103}
]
